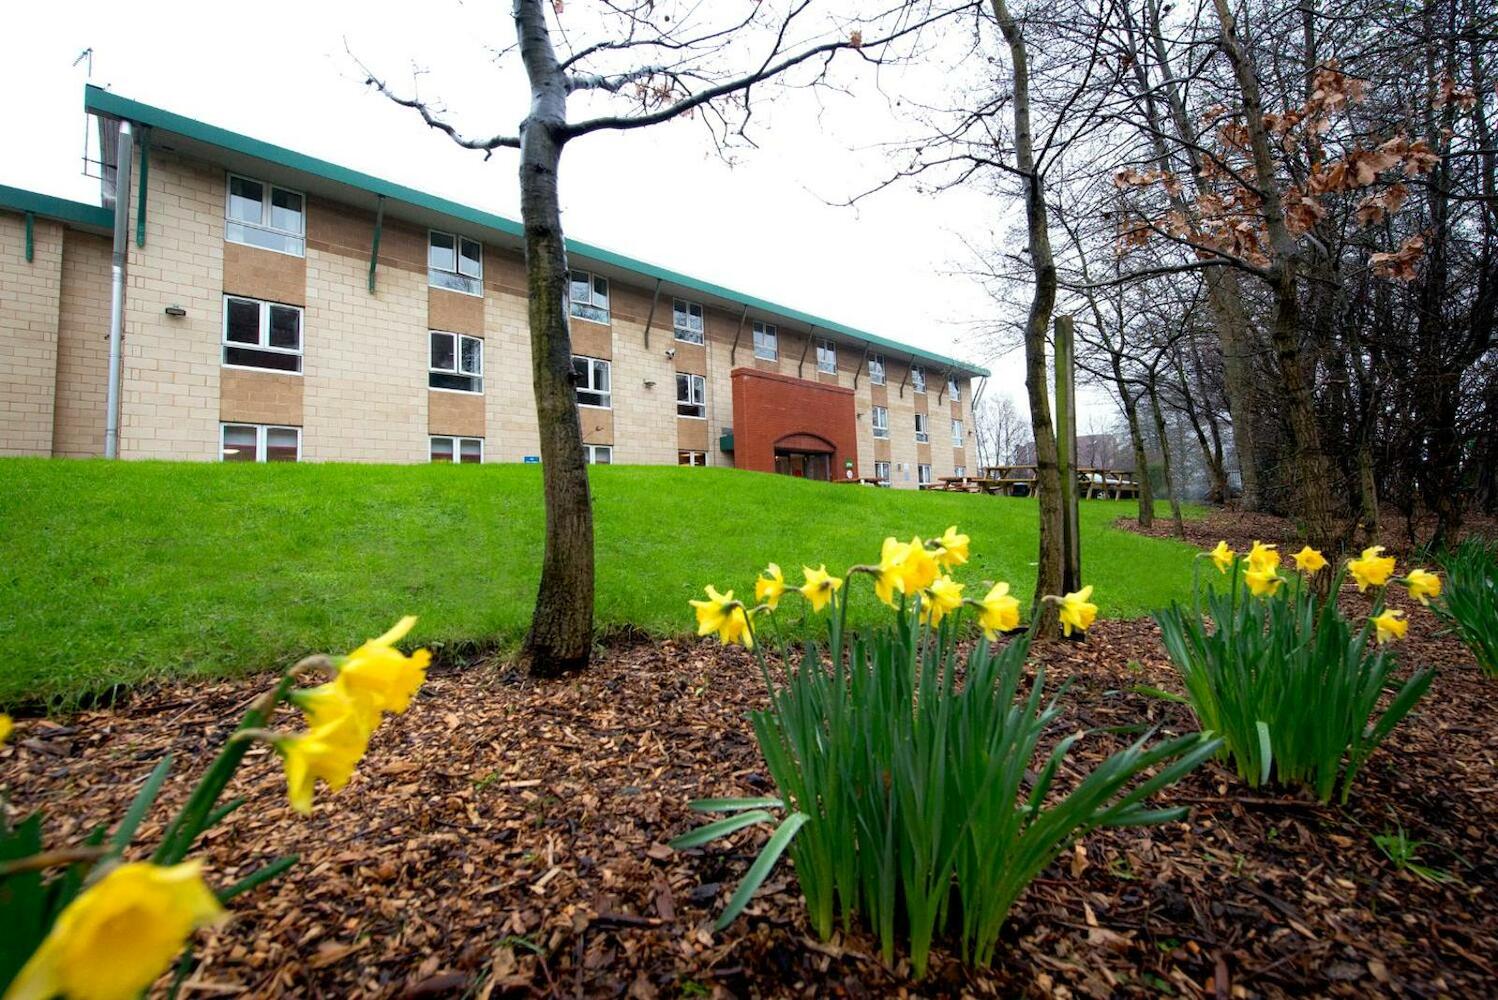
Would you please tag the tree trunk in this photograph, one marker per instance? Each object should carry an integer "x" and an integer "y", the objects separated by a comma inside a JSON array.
[
  {"x": 1047, "y": 475},
  {"x": 1162, "y": 434},
  {"x": 1136, "y": 439},
  {"x": 560, "y": 639}
]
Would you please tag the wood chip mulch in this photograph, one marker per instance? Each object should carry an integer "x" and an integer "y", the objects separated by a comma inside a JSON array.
[{"x": 507, "y": 838}]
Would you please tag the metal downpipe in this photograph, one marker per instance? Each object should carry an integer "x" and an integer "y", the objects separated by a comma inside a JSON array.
[{"x": 118, "y": 262}]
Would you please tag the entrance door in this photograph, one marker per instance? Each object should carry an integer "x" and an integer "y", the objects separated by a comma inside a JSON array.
[{"x": 803, "y": 464}]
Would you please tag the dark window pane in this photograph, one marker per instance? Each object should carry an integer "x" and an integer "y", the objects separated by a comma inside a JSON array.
[
  {"x": 239, "y": 443},
  {"x": 246, "y": 200},
  {"x": 250, "y": 357},
  {"x": 473, "y": 356},
  {"x": 471, "y": 450},
  {"x": 280, "y": 444},
  {"x": 285, "y": 328},
  {"x": 578, "y": 289},
  {"x": 442, "y": 449},
  {"x": 243, "y": 325},
  {"x": 440, "y": 253},
  {"x": 470, "y": 261},
  {"x": 443, "y": 351},
  {"x": 462, "y": 383},
  {"x": 286, "y": 210}
]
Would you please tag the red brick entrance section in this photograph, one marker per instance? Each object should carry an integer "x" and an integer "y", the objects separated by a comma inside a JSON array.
[{"x": 772, "y": 410}]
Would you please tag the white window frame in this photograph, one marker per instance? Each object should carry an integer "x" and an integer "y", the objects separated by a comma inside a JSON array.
[
  {"x": 573, "y": 305},
  {"x": 918, "y": 378},
  {"x": 592, "y": 451},
  {"x": 458, "y": 279},
  {"x": 881, "y": 426},
  {"x": 826, "y": 356},
  {"x": 263, "y": 343},
  {"x": 957, "y": 438},
  {"x": 769, "y": 334},
  {"x": 695, "y": 459},
  {"x": 589, "y": 386},
  {"x": 882, "y": 473},
  {"x": 262, "y": 434},
  {"x": 297, "y": 236},
  {"x": 922, "y": 429},
  {"x": 457, "y": 440},
  {"x": 457, "y": 369},
  {"x": 696, "y": 386},
  {"x": 959, "y": 470},
  {"x": 954, "y": 390},
  {"x": 923, "y": 475},
  {"x": 876, "y": 369},
  {"x": 682, "y": 321}
]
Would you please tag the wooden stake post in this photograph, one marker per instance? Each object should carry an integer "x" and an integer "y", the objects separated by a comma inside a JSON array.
[{"x": 1066, "y": 453}]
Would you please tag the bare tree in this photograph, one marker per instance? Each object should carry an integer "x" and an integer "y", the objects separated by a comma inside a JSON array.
[{"x": 649, "y": 63}]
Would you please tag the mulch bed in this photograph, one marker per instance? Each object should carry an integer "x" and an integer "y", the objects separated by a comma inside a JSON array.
[{"x": 508, "y": 838}]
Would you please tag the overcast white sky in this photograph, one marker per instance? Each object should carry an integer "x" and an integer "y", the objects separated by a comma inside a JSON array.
[{"x": 278, "y": 71}]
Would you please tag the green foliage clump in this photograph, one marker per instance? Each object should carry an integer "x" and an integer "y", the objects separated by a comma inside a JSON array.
[{"x": 1469, "y": 602}]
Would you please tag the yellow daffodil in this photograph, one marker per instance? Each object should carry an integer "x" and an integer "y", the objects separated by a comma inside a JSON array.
[
  {"x": 1372, "y": 568},
  {"x": 1077, "y": 611},
  {"x": 938, "y": 600},
  {"x": 118, "y": 935},
  {"x": 1264, "y": 582},
  {"x": 330, "y": 702},
  {"x": 6, "y": 725},
  {"x": 819, "y": 586},
  {"x": 1000, "y": 612},
  {"x": 383, "y": 674},
  {"x": 953, "y": 551},
  {"x": 330, "y": 752},
  {"x": 919, "y": 569},
  {"x": 720, "y": 614},
  {"x": 736, "y": 629},
  {"x": 1309, "y": 561},
  {"x": 769, "y": 587},
  {"x": 1262, "y": 557},
  {"x": 890, "y": 578},
  {"x": 1423, "y": 586},
  {"x": 1222, "y": 556},
  {"x": 1390, "y": 625}
]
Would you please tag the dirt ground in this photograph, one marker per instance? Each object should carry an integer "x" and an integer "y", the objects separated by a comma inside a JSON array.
[{"x": 509, "y": 838}]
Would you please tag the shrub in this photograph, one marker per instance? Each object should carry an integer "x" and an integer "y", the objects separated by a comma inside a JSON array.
[
  {"x": 914, "y": 798},
  {"x": 83, "y": 922},
  {"x": 1279, "y": 673},
  {"x": 1470, "y": 602}
]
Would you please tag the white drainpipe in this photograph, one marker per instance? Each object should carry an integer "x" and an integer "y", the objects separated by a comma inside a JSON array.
[{"x": 119, "y": 260}]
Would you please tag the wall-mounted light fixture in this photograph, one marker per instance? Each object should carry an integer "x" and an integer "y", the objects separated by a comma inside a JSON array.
[
  {"x": 650, "y": 383},
  {"x": 175, "y": 310}
]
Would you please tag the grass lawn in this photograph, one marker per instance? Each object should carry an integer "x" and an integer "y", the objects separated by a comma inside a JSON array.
[{"x": 114, "y": 573}]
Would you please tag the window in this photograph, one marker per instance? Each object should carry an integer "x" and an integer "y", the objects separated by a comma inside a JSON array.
[
  {"x": 766, "y": 341},
  {"x": 263, "y": 335},
  {"x": 954, "y": 390},
  {"x": 881, "y": 473},
  {"x": 455, "y": 262},
  {"x": 876, "y": 369},
  {"x": 457, "y": 449},
  {"x": 688, "y": 321},
  {"x": 592, "y": 378},
  {"x": 960, "y": 470},
  {"x": 923, "y": 474},
  {"x": 922, "y": 428},
  {"x": 957, "y": 433},
  {"x": 589, "y": 296},
  {"x": 881, "y": 421},
  {"x": 697, "y": 458},
  {"x": 457, "y": 362},
  {"x": 599, "y": 454},
  {"x": 918, "y": 378},
  {"x": 262, "y": 215},
  {"x": 691, "y": 396},
  {"x": 259, "y": 443},
  {"x": 826, "y": 356}
]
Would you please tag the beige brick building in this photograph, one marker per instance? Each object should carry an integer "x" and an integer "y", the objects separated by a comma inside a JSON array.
[{"x": 280, "y": 307}]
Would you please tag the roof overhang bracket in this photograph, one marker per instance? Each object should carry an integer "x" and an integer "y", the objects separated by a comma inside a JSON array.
[
  {"x": 734, "y": 350},
  {"x": 650, "y": 318},
  {"x": 906, "y": 376},
  {"x": 374, "y": 244},
  {"x": 30, "y": 236},
  {"x": 859, "y": 370},
  {"x": 800, "y": 364},
  {"x": 946, "y": 380},
  {"x": 145, "y": 174}
]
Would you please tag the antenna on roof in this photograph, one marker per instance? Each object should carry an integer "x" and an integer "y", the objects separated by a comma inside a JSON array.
[{"x": 88, "y": 54}]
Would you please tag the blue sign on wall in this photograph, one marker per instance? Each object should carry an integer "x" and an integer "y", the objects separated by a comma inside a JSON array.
[{"x": 532, "y": 460}]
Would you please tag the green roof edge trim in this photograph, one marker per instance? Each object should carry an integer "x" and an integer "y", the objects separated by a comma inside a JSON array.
[
  {"x": 103, "y": 102},
  {"x": 47, "y": 206}
]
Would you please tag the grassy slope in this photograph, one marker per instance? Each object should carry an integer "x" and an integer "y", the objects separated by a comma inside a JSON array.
[{"x": 114, "y": 573}]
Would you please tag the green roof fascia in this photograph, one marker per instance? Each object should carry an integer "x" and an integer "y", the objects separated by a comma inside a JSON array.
[
  {"x": 103, "y": 102},
  {"x": 50, "y": 207}
]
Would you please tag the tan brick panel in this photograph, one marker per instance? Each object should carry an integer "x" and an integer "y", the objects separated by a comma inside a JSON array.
[
  {"x": 264, "y": 274},
  {"x": 29, "y": 300},
  {"x": 458, "y": 413},
  {"x": 260, "y": 397},
  {"x": 455, "y": 312},
  {"x": 82, "y": 346}
]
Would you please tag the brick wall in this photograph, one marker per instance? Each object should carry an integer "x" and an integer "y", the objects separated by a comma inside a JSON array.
[
  {"x": 82, "y": 346},
  {"x": 769, "y": 407},
  {"x": 29, "y": 299}
]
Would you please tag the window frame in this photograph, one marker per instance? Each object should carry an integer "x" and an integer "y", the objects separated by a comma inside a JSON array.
[
  {"x": 697, "y": 336},
  {"x": 593, "y": 279},
  {"x": 457, "y": 443},
  {"x": 692, "y": 457},
  {"x": 477, "y": 288},
  {"x": 876, "y": 364},
  {"x": 954, "y": 390},
  {"x": 266, "y": 207},
  {"x": 918, "y": 378},
  {"x": 886, "y": 479},
  {"x": 699, "y": 382},
  {"x": 825, "y": 345},
  {"x": 958, "y": 440},
  {"x": 959, "y": 470},
  {"x": 923, "y": 474},
  {"x": 591, "y": 451},
  {"x": 578, "y": 387},
  {"x": 263, "y": 337},
  {"x": 262, "y": 438},
  {"x": 877, "y": 425},
  {"x": 457, "y": 369},
  {"x": 922, "y": 428},
  {"x": 772, "y": 333}
]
